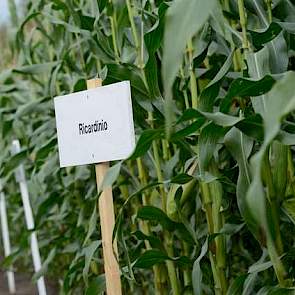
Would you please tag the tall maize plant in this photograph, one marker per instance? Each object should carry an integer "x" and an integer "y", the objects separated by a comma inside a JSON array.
[{"x": 206, "y": 202}]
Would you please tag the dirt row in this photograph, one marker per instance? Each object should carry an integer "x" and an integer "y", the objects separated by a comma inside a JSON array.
[{"x": 24, "y": 285}]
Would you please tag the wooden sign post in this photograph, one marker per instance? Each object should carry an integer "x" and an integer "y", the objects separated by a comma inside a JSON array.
[
  {"x": 95, "y": 126},
  {"x": 107, "y": 223}
]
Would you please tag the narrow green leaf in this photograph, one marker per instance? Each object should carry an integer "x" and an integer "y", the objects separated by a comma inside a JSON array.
[
  {"x": 92, "y": 225},
  {"x": 184, "y": 19},
  {"x": 150, "y": 258},
  {"x": 157, "y": 215},
  {"x": 197, "y": 274},
  {"x": 145, "y": 141},
  {"x": 111, "y": 176},
  {"x": 236, "y": 286},
  {"x": 89, "y": 252}
]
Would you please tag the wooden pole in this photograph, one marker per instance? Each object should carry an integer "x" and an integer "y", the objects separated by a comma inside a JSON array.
[{"x": 107, "y": 223}]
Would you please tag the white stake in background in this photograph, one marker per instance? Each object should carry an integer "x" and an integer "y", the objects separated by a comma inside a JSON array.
[
  {"x": 20, "y": 177},
  {"x": 6, "y": 241}
]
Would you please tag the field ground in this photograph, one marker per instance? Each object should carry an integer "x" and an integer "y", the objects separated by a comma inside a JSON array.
[{"x": 24, "y": 286}]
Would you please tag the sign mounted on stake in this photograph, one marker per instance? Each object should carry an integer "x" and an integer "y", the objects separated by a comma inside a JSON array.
[{"x": 95, "y": 125}]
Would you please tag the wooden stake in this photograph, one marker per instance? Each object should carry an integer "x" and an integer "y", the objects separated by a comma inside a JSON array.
[{"x": 107, "y": 223}]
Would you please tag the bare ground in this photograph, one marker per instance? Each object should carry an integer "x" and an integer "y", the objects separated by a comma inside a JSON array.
[{"x": 24, "y": 285}]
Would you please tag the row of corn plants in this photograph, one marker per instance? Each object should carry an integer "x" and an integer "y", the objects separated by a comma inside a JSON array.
[{"x": 206, "y": 202}]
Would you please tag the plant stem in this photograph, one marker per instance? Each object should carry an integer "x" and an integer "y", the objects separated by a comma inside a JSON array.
[
  {"x": 274, "y": 249},
  {"x": 277, "y": 264},
  {"x": 269, "y": 11},
  {"x": 291, "y": 171},
  {"x": 168, "y": 240},
  {"x": 212, "y": 196},
  {"x": 113, "y": 21},
  {"x": 216, "y": 196},
  {"x": 232, "y": 45},
  {"x": 167, "y": 236},
  {"x": 268, "y": 177},
  {"x": 186, "y": 102},
  {"x": 138, "y": 46},
  {"x": 114, "y": 36},
  {"x": 186, "y": 273},
  {"x": 193, "y": 80},
  {"x": 243, "y": 21},
  {"x": 13, "y": 13},
  {"x": 83, "y": 64},
  {"x": 159, "y": 288},
  {"x": 165, "y": 148},
  {"x": 133, "y": 29},
  {"x": 215, "y": 276}
]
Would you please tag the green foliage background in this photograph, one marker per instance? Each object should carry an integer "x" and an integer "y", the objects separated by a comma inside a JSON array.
[{"x": 206, "y": 203}]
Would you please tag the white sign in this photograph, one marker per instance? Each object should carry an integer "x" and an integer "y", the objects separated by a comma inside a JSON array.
[{"x": 95, "y": 125}]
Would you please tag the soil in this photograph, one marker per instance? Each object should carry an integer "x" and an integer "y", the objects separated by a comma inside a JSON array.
[{"x": 24, "y": 285}]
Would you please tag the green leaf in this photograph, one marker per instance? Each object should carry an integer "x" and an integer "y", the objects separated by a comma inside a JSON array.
[
  {"x": 181, "y": 178},
  {"x": 278, "y": 54},
  {"x": 288, "y": 26},
  {"x": 184, "y": 19},
  {"x": 150, "y": 258},
  {"x": 279, "y": 102},
  {"x": 211, "y": 91},
  {"x": 92, "y": 225},
  {"x": 197, "y": 274},
  {"x": 153, "y": 41},
  {"x": 258, "y": 66},
  {"x": 246, "y": 87},
  {"x": 271, "y": 290},
  {"x": 252, "y": 126},
  {"x": 236, "y": 287},
  {"x": 157, "y": 215},
  {"x": 145, "y": 141},
  {"x": 240, "y": 147},
  {"x": 45, "y": 265},
  {"x": 289, "y": 208},
  {"x": 250, "y": 281},
  {"x": 190, "y": 129},
  {"x": 258, "y": 267},
  {"x": 29, "y": 107},
  {"x": 222, "y": 119},
  {"x": 122, "y": 73},
  {"x": 208, "y": 142},
  {"x": 286, "y": 138},
  {"x": 89, "y": 252},
  {"x": 111, "y": 176},
  {"x": 36, "y": 69},
  {"x": 13, "y": 162},
  {"x": 189, "y": 114},
  {"x": 277, "y": 47},
  {"x": 154, "y": 241},
  {"x": 261, "y": 38},
  {"x": 86, "y": 21},
  {"x": 97, "y": 286},
  {"x": 43, "y": 152}
]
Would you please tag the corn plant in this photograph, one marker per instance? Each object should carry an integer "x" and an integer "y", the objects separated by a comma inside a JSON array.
[{"x": 206, "y": 202}]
